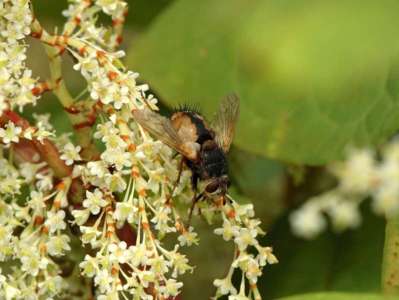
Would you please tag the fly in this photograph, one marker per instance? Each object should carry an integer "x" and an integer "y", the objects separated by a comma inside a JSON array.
[{"x": 203, "y": 146}]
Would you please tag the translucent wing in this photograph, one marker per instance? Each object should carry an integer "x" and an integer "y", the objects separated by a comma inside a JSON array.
[
  {"x": 161, "y": 128},
  {"x": 225, "y": 119}
]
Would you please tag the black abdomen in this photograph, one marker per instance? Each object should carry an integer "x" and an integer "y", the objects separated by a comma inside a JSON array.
[{"x": 214, "y": 163}]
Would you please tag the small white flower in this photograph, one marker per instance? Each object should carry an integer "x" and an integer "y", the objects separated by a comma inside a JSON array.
[
  {"x": 243, "y": 210},
  {"x": 101, "y": 89},
  {"x": 171, "y": 288},
  {"x": 118, "y": 252},
  {"x": 52, "y": 285},
  {"x": 227, "y": 231},
  {"x": 28, "y": 133},
  {"x": 252, "y": 272},
  {"x": 114, "y": 141},
  {"x": 87, "y": 65},
  {"x": 104, "y": 130},
  {"x": 42, "y": 132},
  {"x": 358, "y": 173},
  {"x": 57, "y": 245},
  {"x": 89, "y": 235},
  {"x": 159, "y": 265},
  {"x": 125, "y": 211},
  {"x": 103, "y": 280},
  {"x": 55, "y": 221},
  {"x": 308, "y": 221},
  {"x": 117, "y": 157},
  {"x": 71, "y": 154},
  {"x": 138, "y": 255},
  {"x": 44, "y": 181},
  {"x": 97, "y": 168},
  {"x": 5, "y": 235},
  {"x": 11, "y": 133},
  {"x": 344, "y": 214},
  {"x": 188, "y": 237},
  {"x": 115, "y": 182},
  {"x": 265, "y": 255},
  {"x": 246, "y": 237},
  {"x": 146, "y": 277},
  {"x": 10, "y": 292},
  {"x": 81, "y": 215},
  {"x": 161, "y": 219},
  {"x": 179, "y": 262},
  {"x": 94, "y": 201},
  {"x": 121, "y": 97},
  {"x": 32, "y": 262},
  {"x": 29, "y": 170},
  {"x": 224, "y": 286},
  {"x": 89, "y": 266}
]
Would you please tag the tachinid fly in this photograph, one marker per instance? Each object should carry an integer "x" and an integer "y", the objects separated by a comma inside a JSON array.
[{"x": 202, "y": 146}]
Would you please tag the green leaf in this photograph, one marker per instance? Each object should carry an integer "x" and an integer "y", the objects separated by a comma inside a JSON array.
[
  {"x": 313, "y": 76},
  {"x": 338, "y": 296},
  {"x": 348, "y": 262},
  {"x": 258, "y": 180}
]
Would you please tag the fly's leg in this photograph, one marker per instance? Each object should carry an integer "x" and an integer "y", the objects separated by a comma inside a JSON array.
[
  {"x": 176, "y": 182},
  {"x": 196, "y": 198},
  {"x": 194, "y": 201}
]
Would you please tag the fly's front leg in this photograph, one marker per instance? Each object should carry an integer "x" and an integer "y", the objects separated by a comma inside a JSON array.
[{"x": 169, "y": 198}]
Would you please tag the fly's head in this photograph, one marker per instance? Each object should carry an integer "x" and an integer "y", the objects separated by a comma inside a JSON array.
[{"x": 218, "y": 186}]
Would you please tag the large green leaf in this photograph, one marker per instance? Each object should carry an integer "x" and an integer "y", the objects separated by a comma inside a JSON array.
[
  {"x": 312, "y": 75},
  {"x": 338, "y": 296},
  {"x": 349, "y": 262},
  {"x": 258, "y": 180}
]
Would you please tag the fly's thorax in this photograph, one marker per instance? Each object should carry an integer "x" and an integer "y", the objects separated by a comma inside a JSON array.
[
  {"x": 191, "y": 127},
  {"x": 185, "y": 128}
]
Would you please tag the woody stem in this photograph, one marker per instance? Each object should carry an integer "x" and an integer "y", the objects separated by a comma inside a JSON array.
[{"x": 82, "y": 124}]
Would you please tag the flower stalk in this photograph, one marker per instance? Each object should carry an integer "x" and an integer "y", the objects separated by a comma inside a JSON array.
[{"x": 390, "y": 263}]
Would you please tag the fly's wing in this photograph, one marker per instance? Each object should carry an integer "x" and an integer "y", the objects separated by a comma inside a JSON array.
[
  {"x": 225, "y": 120},
  {"x": 161, "y": 128}
]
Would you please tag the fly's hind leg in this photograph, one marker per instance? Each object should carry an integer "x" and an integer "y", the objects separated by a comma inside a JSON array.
[
  {"x": 194, "y": 201},
  {"x": 169, "y": 198}
]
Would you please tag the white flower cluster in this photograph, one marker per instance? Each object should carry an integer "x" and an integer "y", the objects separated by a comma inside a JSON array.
[
  {"x": 16, "y": 82},
  {"x": 363, "y": 174},
  {"x": 41, "y": 238},
  {"x": 239, "y": 226},
  {"x": 144, "y": 269},
  {"x": 82, "y": 21},
  {"x": 12, "y": 133}
]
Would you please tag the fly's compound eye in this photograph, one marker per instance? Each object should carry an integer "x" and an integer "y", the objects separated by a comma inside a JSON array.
[{"x": 212, "y": 187}]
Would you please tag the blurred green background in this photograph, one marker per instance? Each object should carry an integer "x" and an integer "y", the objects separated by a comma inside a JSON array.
[{"x": 313, "y": 77}]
